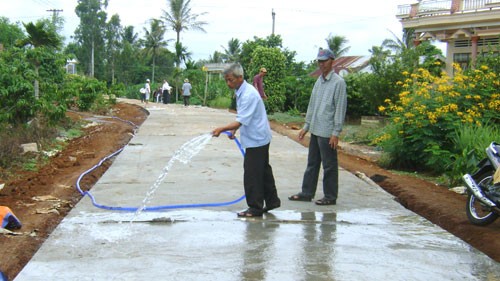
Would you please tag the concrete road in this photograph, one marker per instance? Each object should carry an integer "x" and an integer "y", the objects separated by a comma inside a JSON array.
[{"x": 366, "y": 236}]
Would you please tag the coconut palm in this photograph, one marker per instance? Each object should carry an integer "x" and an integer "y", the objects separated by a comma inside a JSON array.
[
  {"x": 154, "y": 41},
  {"x": 400, "y": 45},
  {"x": 337, "y": 45},
  {"x": 129, "y": 35},
  {"x": 217, "y": 57},
  {"x": 180, "y": 18},
  {"x": 233, "y": 52}
]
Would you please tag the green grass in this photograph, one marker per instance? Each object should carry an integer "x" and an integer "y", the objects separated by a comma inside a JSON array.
[
  {"x": 285, "y": 118},
  {"x": 31, "y": 165},
  {"x": 359, "y": 134}
]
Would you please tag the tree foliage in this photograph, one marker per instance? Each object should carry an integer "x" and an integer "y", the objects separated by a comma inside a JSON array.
[
  {"x": 337, "y": 44},
  {"x": 90, "y": 34},
  {"x": 10, "y": 33},
  {"x": 274, "y": 61},
  {"x": 180, "y": 18}
]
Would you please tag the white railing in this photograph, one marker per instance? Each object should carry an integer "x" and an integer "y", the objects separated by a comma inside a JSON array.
[
  {"x": 438, "y": 6},
  {"x": 474, "y": 4},
  {"x": 434, "y": 5},
  {"x": 404, "y": 9}
]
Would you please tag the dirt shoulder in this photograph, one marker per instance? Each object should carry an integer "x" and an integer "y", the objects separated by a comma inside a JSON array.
[{"x": 41, "y": 200}]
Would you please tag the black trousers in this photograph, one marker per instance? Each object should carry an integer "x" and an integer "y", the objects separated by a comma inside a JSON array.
[
  {"x": 166, "y": 97},
  {"x": 258, "y": 179}
]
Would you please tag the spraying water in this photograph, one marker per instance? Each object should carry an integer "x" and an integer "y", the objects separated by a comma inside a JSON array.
[{"x": 184, "y": 155}]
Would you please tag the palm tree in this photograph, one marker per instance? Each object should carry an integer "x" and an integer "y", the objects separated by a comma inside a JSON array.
[
  {"x": 40, "y": 35},
  {"x": 181, "y": 53},
  {"x": 233, "y": 52},
  {"x": 337, "y": 45},
  {"x": 398, "y": 45},
  {"x": 129, "y": 35},
  {"x": 217, "y": 57},
  {"x": 154, "y": 41},
  {"x": 180, "y": 18}
]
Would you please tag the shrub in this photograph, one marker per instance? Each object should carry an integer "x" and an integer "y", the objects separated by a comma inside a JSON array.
[
  {"x": 429, "y": 111},
  {"x": 220, "y": 102},
  {"x": 469, "y": 144}
]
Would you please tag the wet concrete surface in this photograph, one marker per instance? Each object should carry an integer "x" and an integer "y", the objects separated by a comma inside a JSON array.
[{"x": 366, "y": 236}]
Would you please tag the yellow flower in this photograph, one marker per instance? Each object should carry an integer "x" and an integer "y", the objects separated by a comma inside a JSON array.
[
  {"x": 494, "y": 105},
  {"x": 409, "y": 115},
  {"x": 432, "y": 117},
  {"x": 403, "y": 94},
  {"x": 381, "y": 108},
  {"x": 484, "y": 67}
]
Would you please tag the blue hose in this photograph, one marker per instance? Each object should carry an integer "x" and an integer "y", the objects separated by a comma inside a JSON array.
[{"x": 153, "y": 208}]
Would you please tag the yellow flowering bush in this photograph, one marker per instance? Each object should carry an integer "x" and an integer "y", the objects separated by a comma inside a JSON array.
[{"x": 429, "y": 110}]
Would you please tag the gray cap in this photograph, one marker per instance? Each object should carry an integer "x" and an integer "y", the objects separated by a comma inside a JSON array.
[{"x": 324, "y": 54}]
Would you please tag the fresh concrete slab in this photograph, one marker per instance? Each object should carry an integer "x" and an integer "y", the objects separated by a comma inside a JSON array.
[{"x": 366, "y": 236}]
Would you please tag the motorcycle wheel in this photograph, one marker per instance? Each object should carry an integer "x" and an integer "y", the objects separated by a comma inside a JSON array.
[{"x": 477, "y": 212}]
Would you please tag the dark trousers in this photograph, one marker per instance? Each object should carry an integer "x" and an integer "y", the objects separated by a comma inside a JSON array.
[
  {"x": 321, "y": 153},
  {"x": 186, "y": 100},
  {"x": 258, "y": 179},
  {"x": 166, "y": 97}
]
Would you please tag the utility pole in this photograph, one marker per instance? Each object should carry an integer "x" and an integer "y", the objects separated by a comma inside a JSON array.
[
  {"x": 54, "y": 14},
  {"x": 274, "y": 15}
]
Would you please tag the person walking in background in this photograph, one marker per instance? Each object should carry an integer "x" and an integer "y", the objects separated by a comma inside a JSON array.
[
  {"x": 166, "y": 92},
  {"x": 157, "y": 95},
  {"x": 142, "y": 92},
  {"x": 324, "y": 120},
  {"x": 147, "y": 87},
  {"x": 186, "y": 91},
  {"x": 258, "y": 179},
  {"x": 258, "y": 82}
]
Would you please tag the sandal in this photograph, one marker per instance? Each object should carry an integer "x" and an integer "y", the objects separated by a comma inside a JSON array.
[
  {"x": 324, "y": 202},
  {"x": 249, "y": 214},
  {"x": 300, "y": 197}
]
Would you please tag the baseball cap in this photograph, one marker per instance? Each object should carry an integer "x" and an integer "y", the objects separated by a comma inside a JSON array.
[
  {"x": 263, "y": 70},
  {"x": 324, "y": 54}
]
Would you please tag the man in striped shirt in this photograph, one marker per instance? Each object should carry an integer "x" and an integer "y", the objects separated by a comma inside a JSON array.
[{"x": 324, "y": 120}]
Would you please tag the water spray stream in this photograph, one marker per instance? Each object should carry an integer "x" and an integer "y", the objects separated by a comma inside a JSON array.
[{"x": 184, "y": 155}]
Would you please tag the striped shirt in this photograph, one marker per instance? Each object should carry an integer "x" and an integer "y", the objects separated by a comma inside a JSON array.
[{"x": 327, "y": 106}]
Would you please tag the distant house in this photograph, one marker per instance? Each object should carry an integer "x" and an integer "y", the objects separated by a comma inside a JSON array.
[
  {"x": 348, "y": 64},
  {"x": 71, "y": 66},
  {"x": 467, "y": 26}
]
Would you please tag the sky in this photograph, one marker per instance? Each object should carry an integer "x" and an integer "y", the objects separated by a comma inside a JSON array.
[{"x": 303, "y": 25}]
